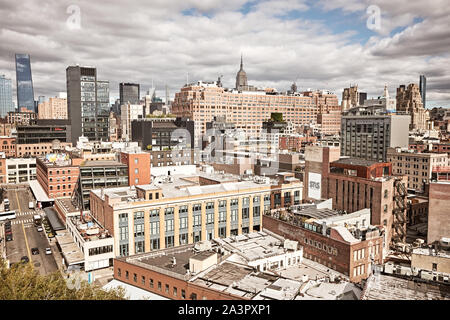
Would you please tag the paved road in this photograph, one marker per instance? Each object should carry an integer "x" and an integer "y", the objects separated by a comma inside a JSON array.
[{"x": 26, "y": 236}]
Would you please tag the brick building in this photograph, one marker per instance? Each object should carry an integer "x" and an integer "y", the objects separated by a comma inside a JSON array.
[
  {"x": 345, "y": 243},
  {"x": 57, "y": 174},
  {"x": 39, "y": 149},
  {"x": 8, "y": 146},
  {"x": 138, "y": 164},
  {"x": 438, "y": 211},
  {"x": 355, "y": 184},
  {"x": 295, "y": 142}
]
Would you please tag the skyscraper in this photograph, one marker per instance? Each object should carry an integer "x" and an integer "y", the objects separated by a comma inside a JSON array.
[
  {"x": 87, "y": 103},
  {"x": 25, "y": 94},
  {"x": 241, "y": 77},
  {"x": 6, "y": 104},
  {"x": 129, "y": 93},
  {"x": 423, "y": 89}
]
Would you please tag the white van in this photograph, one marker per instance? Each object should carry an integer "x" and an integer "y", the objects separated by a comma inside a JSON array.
[{"x": 31, "y": 205}]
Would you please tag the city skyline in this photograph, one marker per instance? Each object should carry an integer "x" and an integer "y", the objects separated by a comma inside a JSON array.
[{"x": 319, "y": 45}]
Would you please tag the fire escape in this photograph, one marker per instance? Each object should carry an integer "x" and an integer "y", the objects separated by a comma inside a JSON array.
[{"x": 399, "y": 223}]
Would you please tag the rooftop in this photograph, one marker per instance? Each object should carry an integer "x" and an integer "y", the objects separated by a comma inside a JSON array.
[
  {"x": 101, "y": 163},
  {"x": 88, "y": 228},
  {"x": 180, "y": 185},
  {"x": 356, "y": 162},
  {"x": 384, "y": 287}
]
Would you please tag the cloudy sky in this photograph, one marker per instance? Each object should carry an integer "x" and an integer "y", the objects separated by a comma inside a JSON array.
[{"x": 320, "y": 44}]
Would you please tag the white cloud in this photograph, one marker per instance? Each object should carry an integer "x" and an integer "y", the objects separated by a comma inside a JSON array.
[{"x": 137, "y": 42}]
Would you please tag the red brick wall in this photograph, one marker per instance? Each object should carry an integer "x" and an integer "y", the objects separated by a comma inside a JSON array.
[
  {"x": 188, "y": 287},
  {"x": 341, "y": 261},
  {"x": 143, "y": 167}
]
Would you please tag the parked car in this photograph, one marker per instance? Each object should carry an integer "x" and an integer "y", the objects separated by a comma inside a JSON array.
[
  {"x": 48, "y": 251},
  {"x": 24, "y": 259},
  {"x": 9, "y": 237},
  {"x": 34, "y": 251},
  {"x": 39, "y": 229}
]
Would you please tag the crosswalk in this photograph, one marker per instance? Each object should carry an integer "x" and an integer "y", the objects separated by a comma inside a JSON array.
[
  {"x": 25, "y": 221},
  {"x": 20, "y": 214}
]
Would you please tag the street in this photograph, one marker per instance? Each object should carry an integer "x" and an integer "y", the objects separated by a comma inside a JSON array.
[{"x": 26, "y": 236}]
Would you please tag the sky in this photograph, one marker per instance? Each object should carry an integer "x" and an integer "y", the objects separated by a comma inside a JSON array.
[{"x": 319, "y": 44}]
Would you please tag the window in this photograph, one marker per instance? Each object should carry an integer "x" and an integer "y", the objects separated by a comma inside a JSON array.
[
  {"x": 167, "y": 288},
  {"x": 143, "y": 280},
  {"x": 135, "y": 161},
  {"x": 174, "y": 291},
  {"x": 151, "y": 283},
  {"x": 169, "y": 225},
  {"x": 134, "y": 277},
  {"x": 159, "y": 285},
  {"x": 127, "y": 275},
  {"x": 434, "y": 267},
  {"x": 234, "y": 215},
  {"x": 154, "y": 228},
  {"x": 183, "y": 294},
  {"x": 119, "y": 272}
]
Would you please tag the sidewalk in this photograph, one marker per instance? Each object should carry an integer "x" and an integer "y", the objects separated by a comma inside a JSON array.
[{"x": 3, "y": 241}]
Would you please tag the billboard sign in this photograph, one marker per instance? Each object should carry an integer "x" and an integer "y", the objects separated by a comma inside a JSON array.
[{"x": 314, "y": 185}]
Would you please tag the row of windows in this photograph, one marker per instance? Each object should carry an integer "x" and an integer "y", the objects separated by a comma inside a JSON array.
[
  {"x": 100, "y": 250},
  {"x": 159, "y": 286}
]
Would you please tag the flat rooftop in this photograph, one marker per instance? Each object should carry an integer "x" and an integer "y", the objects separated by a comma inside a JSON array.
[
  {"x": 355, "y": 162},
  {"x": 432, "y": 252},
  {"x": 178, "y": 186},
  {"x": 384, "y": 287},
  {"x": 101, "y": 163}
]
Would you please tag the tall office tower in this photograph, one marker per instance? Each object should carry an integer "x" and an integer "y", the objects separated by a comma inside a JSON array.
[
  {"x": 129, "y": 93},
  {"x": 367, "y": 133},
  {"x": 6, "y": 103},
  {"x": 25, "y": 94},
  {"x": 409, "y": 100},
  {"x": 362, "y": 98},
  {"x": 423, "y": 89},
  {"x": 87, "y": 104},
  {"x": 350, "y": 98},
  {"x": 241, "y": 77}
]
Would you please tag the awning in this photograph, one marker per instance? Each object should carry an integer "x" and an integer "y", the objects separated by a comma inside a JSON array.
[
  {"x": 54, "y": 220},
  {"x": 38, "y": 192}
]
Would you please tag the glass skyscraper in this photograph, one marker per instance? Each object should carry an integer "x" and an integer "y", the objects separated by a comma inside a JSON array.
[
  {"x": 423, "y": 89},
  {"x": 25, "y": 94},
  {"x": 6, "y": 103},
  {"x": 87, "y": 104}
]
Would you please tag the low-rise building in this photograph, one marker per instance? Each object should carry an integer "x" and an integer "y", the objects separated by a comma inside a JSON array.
[
  {"x": 8, "y": 146},
  {"x": 254, "y": 266},
  {"x": 93, "y": 241},
  {"x": 40, "y": 149},
  {"x": 98, "y": 175},
  {"x": 417, "y": 166},
  {"x": 346, "y": 243},
  {"x": 184, "y": 209},
  {"x": 20, "y": 170},
  {"x": 58, "y": 174},
  {"x": 438, "y": 208}
]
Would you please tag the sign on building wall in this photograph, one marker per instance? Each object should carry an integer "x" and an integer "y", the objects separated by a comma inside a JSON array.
[{"x": 314, "y": 185}]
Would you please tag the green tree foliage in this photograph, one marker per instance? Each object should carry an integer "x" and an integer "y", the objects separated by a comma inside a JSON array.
[
  {"x": 22, "y": 282},
  {"x": 276, "y": 116}
]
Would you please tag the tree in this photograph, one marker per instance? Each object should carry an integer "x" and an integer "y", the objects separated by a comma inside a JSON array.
[{"x": 22, "y": 282}]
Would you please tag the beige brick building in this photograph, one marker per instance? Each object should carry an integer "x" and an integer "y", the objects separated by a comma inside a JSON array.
[
  {"x": 417, "y": 166},
  {"x": 54, "y": 108},
  {"x": 186, "y": 209}
]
